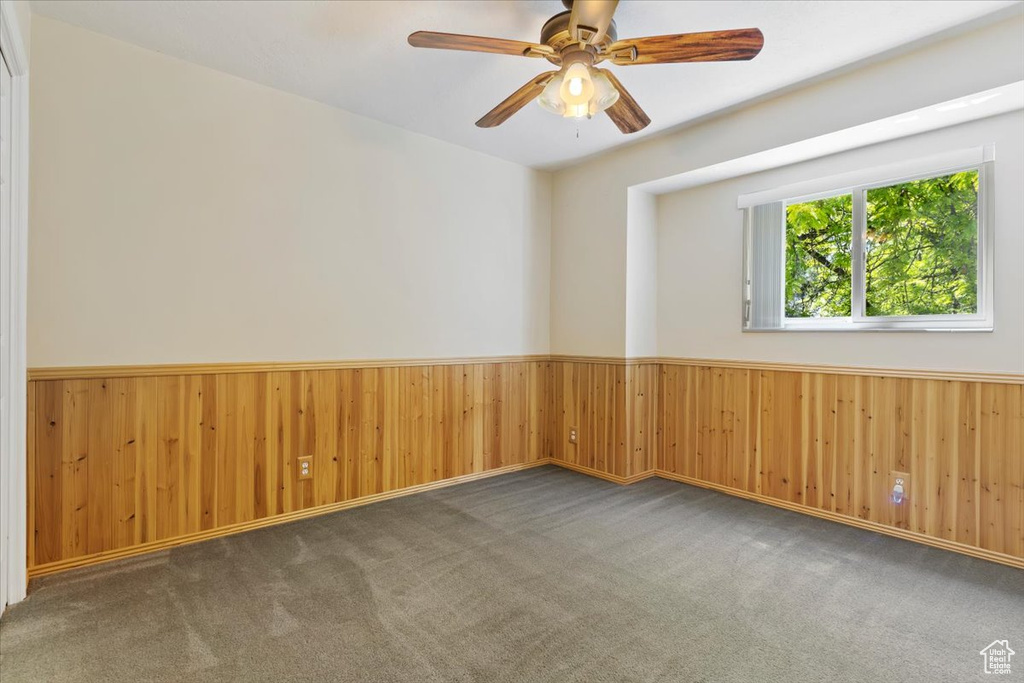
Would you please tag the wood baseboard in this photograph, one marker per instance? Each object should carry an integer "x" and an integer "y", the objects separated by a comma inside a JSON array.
[
  {"x": 961, "y": 548},
  {"x": 97, "y": 558},
  {"x": 164, "y": 544},
  {"x": 625, "y": 481}
]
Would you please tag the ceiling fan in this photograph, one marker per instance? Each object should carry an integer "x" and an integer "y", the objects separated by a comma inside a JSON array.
[{"x": 578, "y": 40}]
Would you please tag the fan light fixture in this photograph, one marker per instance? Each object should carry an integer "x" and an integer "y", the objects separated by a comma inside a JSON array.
[
  {"x": 578, "y": 91},
  {"x": 577, "y": 41}
]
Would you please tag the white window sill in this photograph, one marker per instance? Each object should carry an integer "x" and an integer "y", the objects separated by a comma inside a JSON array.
[
  {"x": 881, "y": 326},
  {"x": 875, "y": 329}
]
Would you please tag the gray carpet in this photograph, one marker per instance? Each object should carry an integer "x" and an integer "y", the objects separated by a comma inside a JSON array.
[{"x": 542, "y": 575}]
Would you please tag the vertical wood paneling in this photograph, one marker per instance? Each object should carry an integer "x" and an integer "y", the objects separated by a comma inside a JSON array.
[
  {"x": 1001, "y": 478},
  {"x": 641, "y": 418},
  {"x": 592, "y": 398},
  {"x": 125, "y": 451},
  {"x": 169, "y": 458},
  {"x": 123, "y": 461},
  {"x": 30, "y": 469},
  {"x": 128, "y": 460},
  {"x": 723, "y": 448},
  {"x": 847, "y": 405},
  {"x": 832, "y": 442},
  {"x": 147, "y": 399},
  {"x": 208, "y": 451},
  {"x": 968, "y": 408},
  {"x": 75, "y": 469},
  {"x": 47, "y": 515}
]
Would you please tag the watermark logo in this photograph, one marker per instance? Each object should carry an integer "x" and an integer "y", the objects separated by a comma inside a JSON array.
[{"x": 997, "y": 657}]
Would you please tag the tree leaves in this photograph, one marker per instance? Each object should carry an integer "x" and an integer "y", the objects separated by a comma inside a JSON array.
[
  {"x": 818, "y": 236},
  {"x": 921, "y": 251},
  {"x": 922, "y": 247}
]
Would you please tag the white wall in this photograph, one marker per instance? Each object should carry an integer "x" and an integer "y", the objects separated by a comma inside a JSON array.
[
  {"x": 589, "y": 209},
  {"x": 700, "y": 264},
  {"x": 179, "y": 214},
  {"x": 641, "y": 274}
]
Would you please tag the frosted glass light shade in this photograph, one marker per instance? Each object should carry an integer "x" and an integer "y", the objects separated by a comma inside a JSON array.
[
  {"x": 605, "y": 94},
  {"x": 577, "y": 85},
  {"x": 577, "y": 111},
  {"x": 550, "y": 99},
  {"x": 557, "y": 99}
]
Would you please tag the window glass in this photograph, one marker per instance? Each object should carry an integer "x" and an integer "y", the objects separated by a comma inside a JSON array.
[
  {"x": 921, "y": 247},
  {"x": 818, "y": 275}
]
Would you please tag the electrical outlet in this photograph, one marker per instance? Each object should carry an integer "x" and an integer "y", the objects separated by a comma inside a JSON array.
[
  {"x": 306, "y": 467},
  {"x": 899, "y": 487},
  {"x": 573, "y": 437}
]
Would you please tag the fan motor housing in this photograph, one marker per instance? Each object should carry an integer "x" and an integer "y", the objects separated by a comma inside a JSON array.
[{"x": 556, "y": 34}]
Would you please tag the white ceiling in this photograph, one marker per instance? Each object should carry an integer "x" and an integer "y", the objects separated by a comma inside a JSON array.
[{"x": 354, "y": 55}]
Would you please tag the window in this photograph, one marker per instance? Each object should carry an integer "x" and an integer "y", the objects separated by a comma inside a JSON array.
[
  {"x": 921, "y": 247},
  {"x": 818, "y": 258},
  {"x": 905, "y": 253}
]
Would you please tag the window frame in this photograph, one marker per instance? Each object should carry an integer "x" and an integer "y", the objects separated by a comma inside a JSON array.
[{"x": 982, "y": 320}]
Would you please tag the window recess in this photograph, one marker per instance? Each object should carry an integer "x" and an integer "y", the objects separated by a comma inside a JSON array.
[{"x": 900, "y": 248}]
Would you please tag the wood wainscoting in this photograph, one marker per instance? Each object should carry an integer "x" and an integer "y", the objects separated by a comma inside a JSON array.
[
  {"x": 127, "y": 460},
  {"x": 820, "y": 440},
  {"x": 613, "y": 407},
  {"x": 136, "y": 459},
  {"x": 832, "y": 442}
]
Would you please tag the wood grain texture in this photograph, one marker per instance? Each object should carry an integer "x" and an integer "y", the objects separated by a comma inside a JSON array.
[
  {"x": 591, "y": 397},
  {"x": 164, "y": 544},
  {"x": 904, "y": 534},
  {"x": 125, "y": 462},
  {"x": 831, "y": 442},
  {"x": 641, "y": 419},
  {"x": 626, "y": 114},
  {"x": 711, "y": 46},
  {"x": 614, "y": 409},
  {"x": 134, "y": 462},
  {"x": 516, "y": 101},
  {"x": 456, "y": 41},
  {"x": 623, "y": 481}
]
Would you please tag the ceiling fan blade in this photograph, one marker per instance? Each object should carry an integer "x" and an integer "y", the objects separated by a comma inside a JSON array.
[
  {"x": 713, "y": 46},
  {"x": 625, "y": 113},
  {"x": 455, "y": 41},
  {"x": 590, "y": 19},
  {"x": 515, "y": 101}
]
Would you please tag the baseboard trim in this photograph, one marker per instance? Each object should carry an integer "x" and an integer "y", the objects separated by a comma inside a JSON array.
[
  {"x": 582, "y": 469},
  {"x": 155, "y": 546},
  {"x": 905, "y": 534},
  {"x": 164, "y": 544}
]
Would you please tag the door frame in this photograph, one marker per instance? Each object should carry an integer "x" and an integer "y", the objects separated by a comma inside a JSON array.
[{"x": 13, "y": 460}]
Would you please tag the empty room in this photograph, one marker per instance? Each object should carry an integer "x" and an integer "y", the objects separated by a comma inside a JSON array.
[{"x": 528, "y": 341}]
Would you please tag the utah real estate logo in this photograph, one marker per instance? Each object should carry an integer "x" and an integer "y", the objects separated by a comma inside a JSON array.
[{"x": 997, "y": 657}]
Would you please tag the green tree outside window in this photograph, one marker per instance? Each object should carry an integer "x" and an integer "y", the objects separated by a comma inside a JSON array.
[
  {"x": 818, "y": 274},
  {"x": 921, "y": 251}
]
